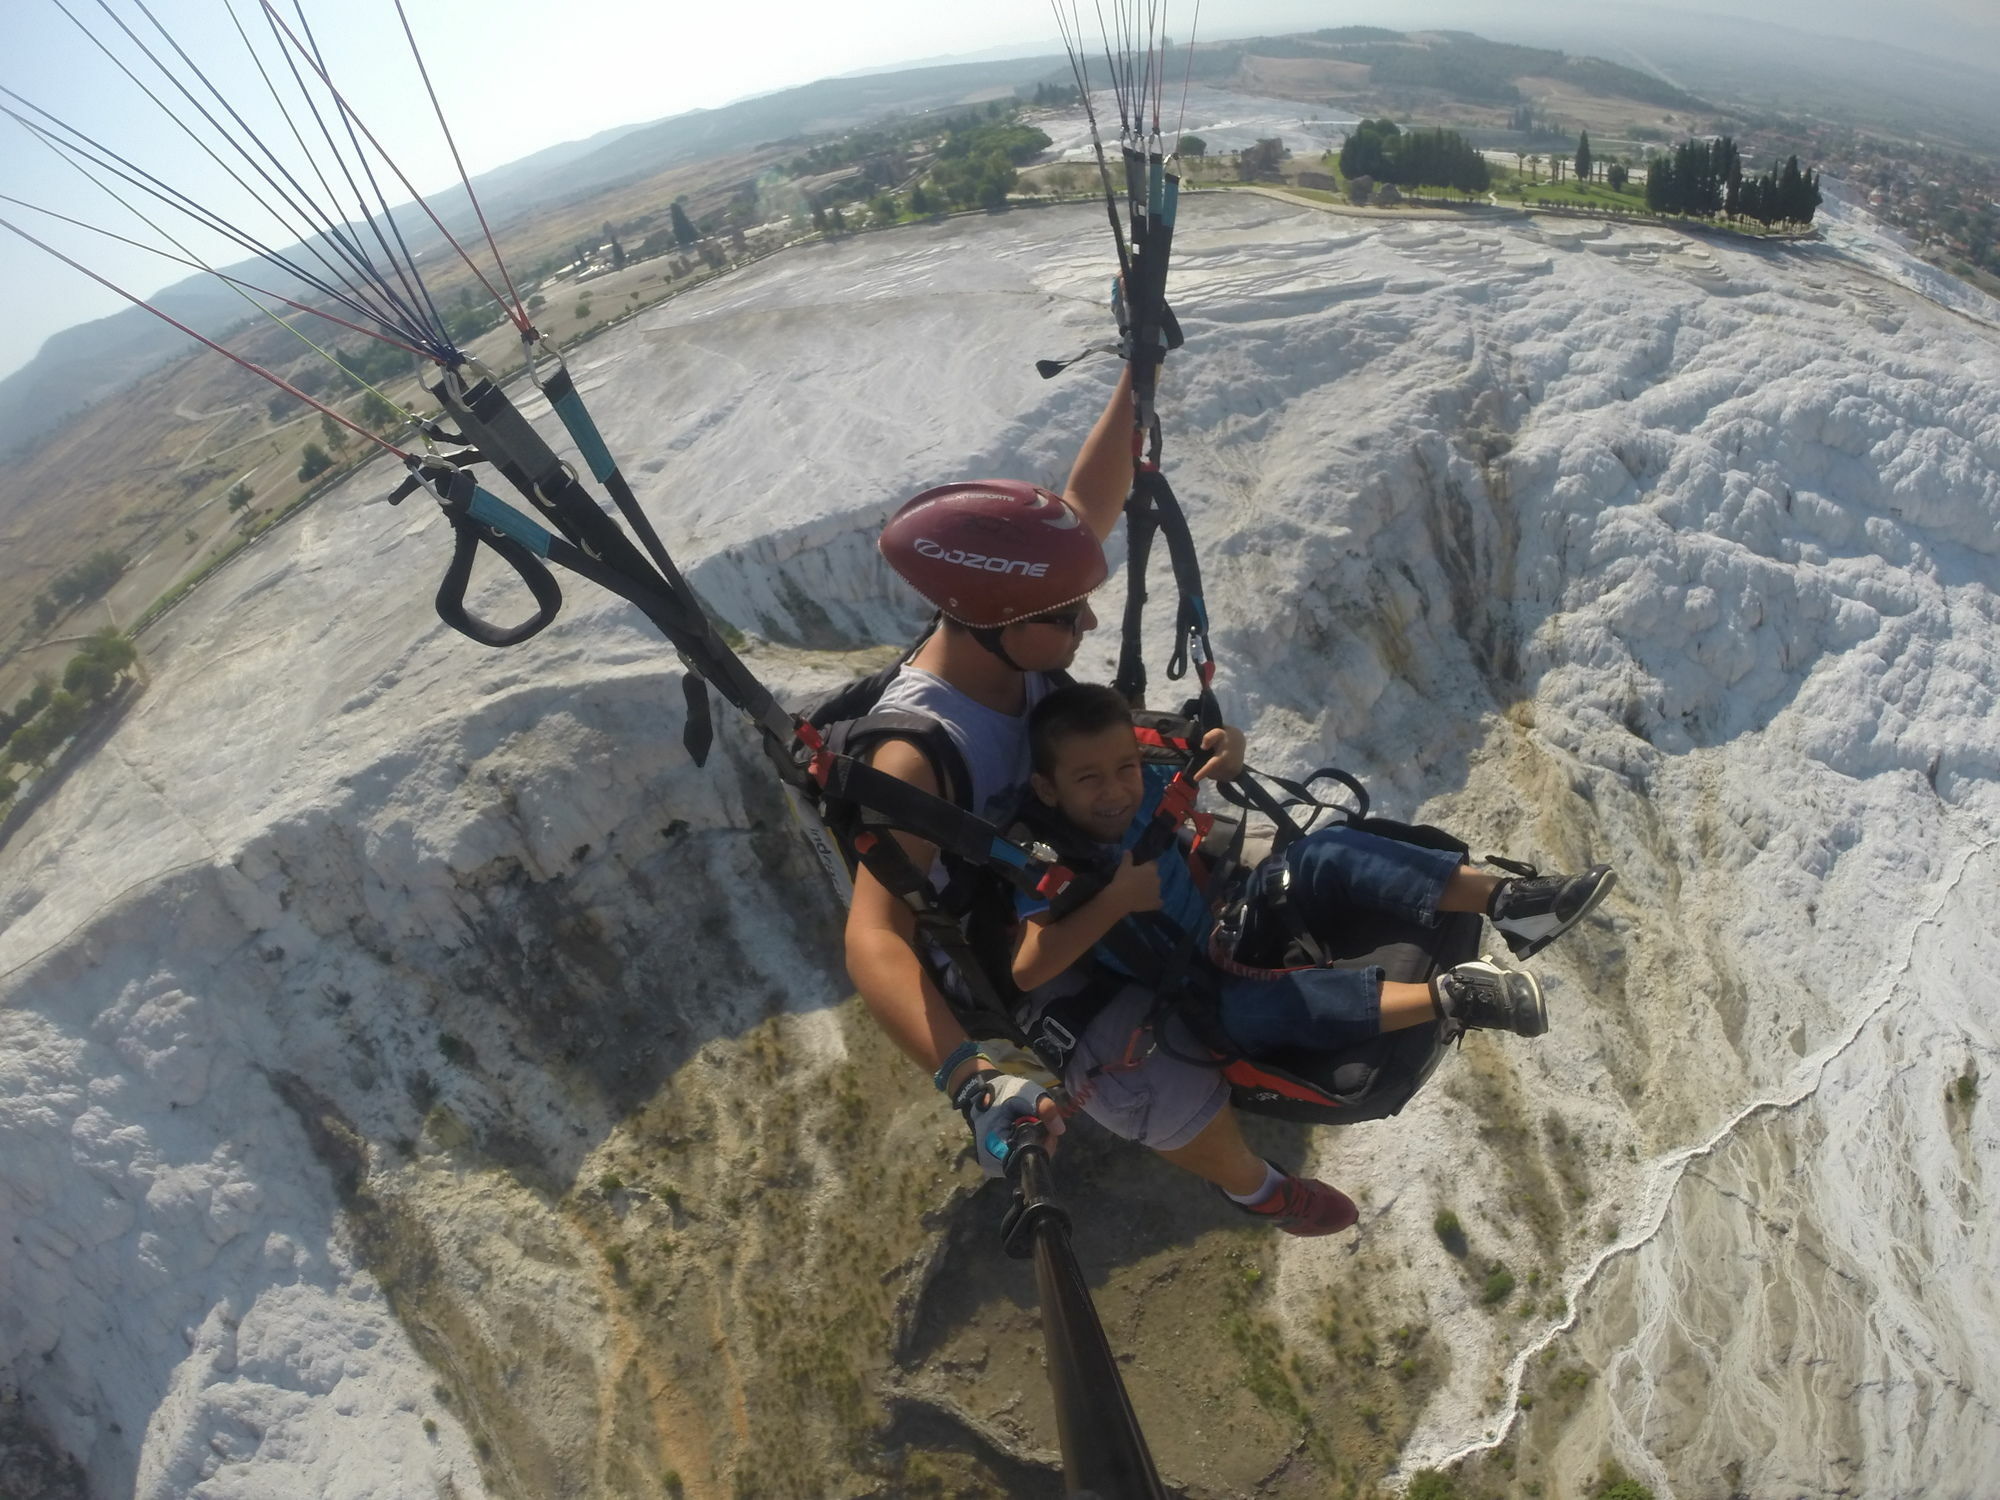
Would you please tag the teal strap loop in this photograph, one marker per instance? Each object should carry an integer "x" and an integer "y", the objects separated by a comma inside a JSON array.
[
  {"x": 506, "y": 520},
  {"x": 584, "y": 433}
]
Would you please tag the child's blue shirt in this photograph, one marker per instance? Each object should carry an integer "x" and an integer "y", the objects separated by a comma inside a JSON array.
[{"x": 1182, "y": 907}]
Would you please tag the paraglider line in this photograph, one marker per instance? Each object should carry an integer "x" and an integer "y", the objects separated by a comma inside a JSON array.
[
  {"x": 281, "y": 383},
  {"x": 103, "y": 156},
  {"x": 355, "y": 120},
  {"x": 1180, "y": 125},
  {"x": 425, "y": 73},
  {"x": 406, "y": 267},
  {"x": 241, "y": 285},
  {"x": 356, "y": 261}
]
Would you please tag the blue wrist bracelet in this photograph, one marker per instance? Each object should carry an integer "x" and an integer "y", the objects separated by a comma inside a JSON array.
[{"x": 959, "y": 1054}]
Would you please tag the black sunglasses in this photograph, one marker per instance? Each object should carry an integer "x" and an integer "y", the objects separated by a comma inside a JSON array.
[{"x": 1066, "y": 618}]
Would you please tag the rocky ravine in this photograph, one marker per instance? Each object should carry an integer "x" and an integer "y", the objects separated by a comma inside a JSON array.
[{"x": 420, "y": 1079}]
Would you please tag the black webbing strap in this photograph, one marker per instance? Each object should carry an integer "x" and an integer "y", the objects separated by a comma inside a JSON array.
[
  {"x": 888, "y": 802},
  {"x": 1140, "y": 524},
  {"x": 680, "y": 618},
  {"x": 512, "y": 445},
  {"x": 568, "y": 405},
  {"x": 1191, "y": 623},
  {"x": 961, "y": 978},
  {"x": 468, "y": 536},
  {"x": 1246, "y": 791},
  {"x": 1152, "y": 508},
  {"x": 593, "y": 544}
]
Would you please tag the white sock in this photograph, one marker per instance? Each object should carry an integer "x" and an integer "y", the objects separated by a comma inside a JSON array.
[{"x": 1272, "y": 1177}]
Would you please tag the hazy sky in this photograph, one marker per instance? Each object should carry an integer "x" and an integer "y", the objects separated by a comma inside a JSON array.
[{"x": 516, "y": 76}]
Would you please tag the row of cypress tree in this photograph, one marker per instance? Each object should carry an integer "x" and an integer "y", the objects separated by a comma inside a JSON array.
[
  {"x": 1414, "y": 158},
  {"x": 1706, "y": 178}
]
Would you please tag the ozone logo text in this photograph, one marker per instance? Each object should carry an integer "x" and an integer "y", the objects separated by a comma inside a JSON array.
[{"x": 980, "y": 561}]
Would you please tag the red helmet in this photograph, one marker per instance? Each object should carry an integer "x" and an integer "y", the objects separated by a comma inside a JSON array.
[{"x": 988, "y": 552}]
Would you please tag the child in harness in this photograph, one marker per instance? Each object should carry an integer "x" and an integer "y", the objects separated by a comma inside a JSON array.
[{"x": 1134, "y": 1065}]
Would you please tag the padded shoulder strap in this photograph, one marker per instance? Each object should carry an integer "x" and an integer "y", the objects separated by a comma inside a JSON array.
[{"x": 857, "y": 737}]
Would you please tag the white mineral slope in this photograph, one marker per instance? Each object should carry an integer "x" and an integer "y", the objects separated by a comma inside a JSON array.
[
  {"x": 1594, "y": 542},
  {"x": 1225, "y": 121}
]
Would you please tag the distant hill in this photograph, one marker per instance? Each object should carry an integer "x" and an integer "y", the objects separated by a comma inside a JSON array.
[
  {"x": 80, "y": 366},
  {"x": 1448, "y": 65}
]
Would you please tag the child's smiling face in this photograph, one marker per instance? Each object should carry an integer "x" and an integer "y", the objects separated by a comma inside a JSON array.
[{"x": 1097, "y": 781}]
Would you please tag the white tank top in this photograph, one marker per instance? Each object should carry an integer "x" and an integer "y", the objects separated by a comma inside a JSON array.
[{"x": 994, "y": 745}]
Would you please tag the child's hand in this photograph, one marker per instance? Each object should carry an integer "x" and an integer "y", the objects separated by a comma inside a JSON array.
[
  {"x": 1136, "y": 887},
  {"x": 1225, "y": 748}
]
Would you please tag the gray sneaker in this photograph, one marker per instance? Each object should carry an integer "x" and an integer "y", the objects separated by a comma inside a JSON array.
[
  {"x": 1532, "y": 912},
  {"x": 1482, "y": 995}
]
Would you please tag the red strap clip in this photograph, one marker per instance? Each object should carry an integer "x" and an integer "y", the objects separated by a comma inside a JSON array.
[
  {"x": 821, "y": 765},
  {"x": 1054, "y": 883},
  {"x": 1177, "y": 801}
]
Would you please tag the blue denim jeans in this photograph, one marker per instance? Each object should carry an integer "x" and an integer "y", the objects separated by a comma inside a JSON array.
[
  {"x": 1336, "y": 870},
  {"x": 1321, "y": 1010},
  {"x": 1340, "y": 868}
]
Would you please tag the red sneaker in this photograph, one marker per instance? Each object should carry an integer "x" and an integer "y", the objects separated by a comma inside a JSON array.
[{"x": 1305, "y": 1206}]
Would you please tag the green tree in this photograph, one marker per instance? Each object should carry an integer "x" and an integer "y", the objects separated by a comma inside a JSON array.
[
  {"x": 88, "y": 679},
  {"x": 112, "y": 647},
  {"x": 241, "y": 495},
  {"x": 1193, "y": 145},
  {"x": 1798, "y": 193},
  {"x": 1584, "y": 161},
  {"x": 36, "y": 698},
  {"x": 837, "y": 221},
  {"x": 47, "y": 611},
  {"x": 1662, "y": 192},
  {"x": 377, "y": 412},
  {"x": 90, "y": 579},
  {"x": 920, "y": 201},
  {"x": 314, "y": 462},
  {"x": 617, "y": 256},
  {"x": 1260, "y": 160},
  {"x": 883, "y": 208},
  {"x": 1366, "y": 151},
  {"x": 333, "y": 432},
  {"x": 1617, "y": 175},
  {"x": 467, "y": 318},
  {"x": 1613, "y": 1483},
  {"x": 996, "y": 183},
  {"x": 33, "y": 742},
  {"x": 65, "y": 712},
  {"x": 8, "y": 786},
  {"x": 684, "y": 231}
]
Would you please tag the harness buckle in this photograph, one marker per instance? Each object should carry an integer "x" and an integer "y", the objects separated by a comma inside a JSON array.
[
  {"x": 1054, "y": 1041},
  {"x": 1177, "y": 801},
  {"x": 820, "y": 765}
]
